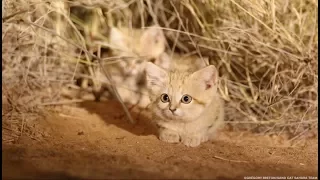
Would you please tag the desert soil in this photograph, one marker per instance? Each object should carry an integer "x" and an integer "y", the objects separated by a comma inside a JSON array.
[{"x": 93, "y": 141}]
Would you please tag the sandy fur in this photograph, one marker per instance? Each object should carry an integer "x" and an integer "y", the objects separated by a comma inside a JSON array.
[{"x": 191, "y": 123}]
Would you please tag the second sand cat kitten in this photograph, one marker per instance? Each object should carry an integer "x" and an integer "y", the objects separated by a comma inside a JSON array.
[
  {"x": 132, "y": 47},
  {"x": 185, "y": 103}
]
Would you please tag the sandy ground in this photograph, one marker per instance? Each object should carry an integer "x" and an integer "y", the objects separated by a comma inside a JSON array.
[{"x": 95, "y": 143}]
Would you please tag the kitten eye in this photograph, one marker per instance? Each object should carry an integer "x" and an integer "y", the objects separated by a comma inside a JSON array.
[
  {"x": 186, "y": 99},
  {"x": 165, "y": 98}
]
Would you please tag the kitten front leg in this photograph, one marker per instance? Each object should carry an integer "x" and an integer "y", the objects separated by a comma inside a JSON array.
[{"x": 168, "y": 135}]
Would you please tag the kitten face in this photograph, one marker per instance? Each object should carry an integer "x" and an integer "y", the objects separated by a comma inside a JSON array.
[{"x": 180, "y": 96}]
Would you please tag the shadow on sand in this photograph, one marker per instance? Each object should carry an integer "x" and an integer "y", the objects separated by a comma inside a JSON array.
[{"x": 111, "y": 112}]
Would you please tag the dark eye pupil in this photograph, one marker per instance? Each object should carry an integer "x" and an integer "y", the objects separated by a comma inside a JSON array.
[
  {"x": 165, "y": 98},
  {"x": 186, "y": 99}
]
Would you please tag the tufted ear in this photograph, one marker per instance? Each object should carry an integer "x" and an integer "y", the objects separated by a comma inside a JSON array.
[
  {"x": 207, "y": 77},
  {"x": 156, "y": 77},
  {"x": 152, "y": 41},
  {"x": 117, "y": 39}
]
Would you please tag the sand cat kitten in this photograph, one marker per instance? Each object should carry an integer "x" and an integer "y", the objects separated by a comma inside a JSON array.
[
  {"x": 185, "y": 103},
  {"x": 133, "y": 47}
]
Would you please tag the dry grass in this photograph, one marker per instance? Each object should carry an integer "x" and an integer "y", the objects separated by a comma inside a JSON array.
[{"x": 266, "y": 52}]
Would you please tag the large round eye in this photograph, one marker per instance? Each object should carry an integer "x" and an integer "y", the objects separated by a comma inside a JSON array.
[
  {"x": 165, "y": 98},
  {"x": 186, "y": 99}
]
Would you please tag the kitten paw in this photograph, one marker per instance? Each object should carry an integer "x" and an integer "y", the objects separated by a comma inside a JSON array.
[
  {"x": 192, "y": 141},
  {"x": 204, "y": 139},
  {"x": 169, "y": 136}
]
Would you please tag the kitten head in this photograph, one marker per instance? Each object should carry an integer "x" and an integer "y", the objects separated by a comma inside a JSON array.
[
  {"x": 138, "y": 45},
  {"x": 180, "y": 96},
  {"x": 148, "y": 42}
]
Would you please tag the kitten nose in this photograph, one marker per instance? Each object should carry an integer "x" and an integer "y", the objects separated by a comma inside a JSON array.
[{"x": 172, "y": 109}]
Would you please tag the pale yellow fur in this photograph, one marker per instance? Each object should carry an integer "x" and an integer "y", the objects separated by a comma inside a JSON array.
[{"x": 191, "y": 123}]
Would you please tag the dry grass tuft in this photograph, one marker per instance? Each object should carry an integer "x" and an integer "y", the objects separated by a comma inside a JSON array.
[{"x": 266, "y": 52}]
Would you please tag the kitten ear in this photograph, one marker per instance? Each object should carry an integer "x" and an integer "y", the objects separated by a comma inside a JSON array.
[
  {"x": 152, "y": 41},
  {"x": 117, "y": 39},
  {"x": 207, "y": 77},
  {"x": 156, "y": 76}
]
